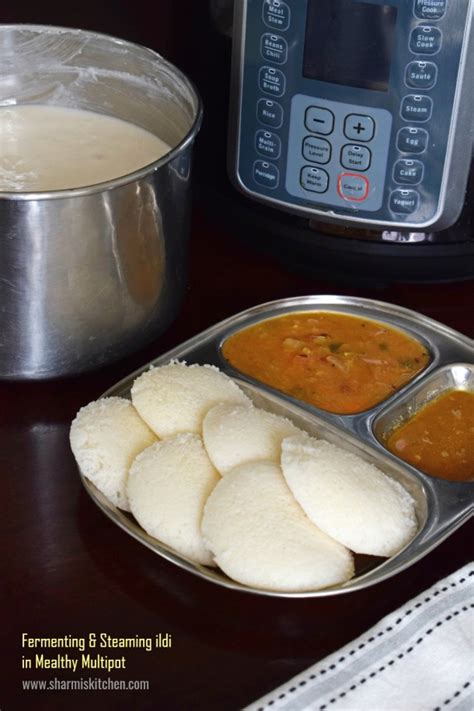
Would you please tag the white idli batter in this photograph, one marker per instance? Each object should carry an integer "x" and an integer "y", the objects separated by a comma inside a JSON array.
[{"x": 57, "y": 148}]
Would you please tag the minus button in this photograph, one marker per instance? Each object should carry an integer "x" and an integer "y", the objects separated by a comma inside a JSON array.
[{"x": 319, "y": 120}]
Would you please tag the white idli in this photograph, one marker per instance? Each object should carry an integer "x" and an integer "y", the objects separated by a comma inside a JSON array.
[
  {"x": 348, "y": 498},
  {"x": 234, "y": 434},
  {"x": 105, "y": 437},
  {"x": 260, "y": 536},
  {"x": 175, "y": 398},
  {"x": 167, "y": 487}
]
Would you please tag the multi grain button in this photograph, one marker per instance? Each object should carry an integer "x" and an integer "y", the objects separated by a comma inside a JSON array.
[
  {"x": 425, "y": 40},
  {"x": 404, "y": 202},
  {"x": 416, "y": 108},
  {"x": 316, "y": 180},
  {"x": 266, "y": 174},
  {"x": 430, "y": 9},
  {"x": 317, "y": 150},
  {"x": 412, "y": 140},
  {"x": 268, "y": 144}
]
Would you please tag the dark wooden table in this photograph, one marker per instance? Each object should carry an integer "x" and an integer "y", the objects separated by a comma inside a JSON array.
[{"x": 67, "y": 570}]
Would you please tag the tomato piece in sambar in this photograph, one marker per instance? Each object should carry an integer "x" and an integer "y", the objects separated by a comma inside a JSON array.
[
  {"x": 336, "y": 362},
  {"x": 439, "y": 439}
]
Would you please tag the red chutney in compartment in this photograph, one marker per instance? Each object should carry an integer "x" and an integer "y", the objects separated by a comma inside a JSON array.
[
  {"x": 336, "y": 362},
  {"x": 439, "y": 439}
]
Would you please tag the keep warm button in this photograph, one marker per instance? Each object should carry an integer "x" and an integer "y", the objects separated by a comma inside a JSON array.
[{"x": 353, "y": 187}]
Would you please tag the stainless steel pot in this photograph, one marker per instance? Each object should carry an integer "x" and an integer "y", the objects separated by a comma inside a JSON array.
[{"x": 90, "y": 274}]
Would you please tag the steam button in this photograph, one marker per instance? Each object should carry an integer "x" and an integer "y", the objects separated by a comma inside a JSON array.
[{"x": 416, "y": 107}]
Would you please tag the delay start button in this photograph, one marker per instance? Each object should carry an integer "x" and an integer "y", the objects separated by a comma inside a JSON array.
[{"x": 353, "y": 187}]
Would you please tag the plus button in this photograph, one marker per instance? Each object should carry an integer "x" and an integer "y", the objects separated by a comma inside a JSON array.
[{"x": 359, "y": 127}]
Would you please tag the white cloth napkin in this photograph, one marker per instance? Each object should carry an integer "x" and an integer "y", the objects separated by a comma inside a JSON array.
[{"x": 419, "y": 658}]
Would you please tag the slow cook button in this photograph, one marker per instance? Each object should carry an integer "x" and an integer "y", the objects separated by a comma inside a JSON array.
[
  {"x": 269, "y": 113},
  {"x": 272, "y": 81},
  {"x": 425, "y": 40},
  {"x": 355, "y": 157},
  {"x": 317, "y": 150},
  {"x": 316, "y": 180},
  {"x": 353, "y": 187},
  {"x": 268, "y": 144},
  {"x": 421, "y": 75},
  {"x": 412, "y": 140},
  {"x": 266, "y": 174},
  {"x": 416, "y": 108},
  {"x": 408, "y": 172},
  {"x": 273, "y": 48},
  {"x": 404, "y": 202},
  {"x": 276, "y": 14},
  {"x": 430, "y": 9}
]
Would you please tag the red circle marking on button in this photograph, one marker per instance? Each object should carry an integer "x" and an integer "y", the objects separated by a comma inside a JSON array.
[{"x": 348, "y": 197}]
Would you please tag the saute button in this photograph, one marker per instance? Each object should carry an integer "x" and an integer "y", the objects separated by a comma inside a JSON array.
[
  {"x": 408, "y": 172},
  {"x": 359, "y": 128},
  {"x": 268, "y": 144},
  {"x": 404, "y": 202},
  {"x": 273, "y": 48},
  {"x": 316, "y": 180},
  {"x": 412, "y": 140},
  {"x": 270, "y": 113},
  {"x": 317, "y": 150},
  {"x": 355, "y": 157},
  {"x": 272, "y": 81},
  {"x": 416, "y": 107},
  {"x": 430, "y": 9},
  {"x": 276, "y": 14},
  {"x": 353, "y": 187},
  {"x": 266, "y": 174},
  {"x": 319, "y": 120},
  {"x": 425, "y": 40},
  {"x": 421, "y": 75}
]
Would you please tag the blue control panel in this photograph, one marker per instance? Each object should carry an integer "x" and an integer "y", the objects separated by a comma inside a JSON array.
[{"x": 348, "y": 107}]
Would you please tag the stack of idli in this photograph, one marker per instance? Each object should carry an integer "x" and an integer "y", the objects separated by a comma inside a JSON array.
[{"x": 224, "y": 483}]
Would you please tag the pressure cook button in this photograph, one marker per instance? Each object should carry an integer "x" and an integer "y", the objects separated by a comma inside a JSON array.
[
  {"x": 268, "y": 144},
  {"x": 266, "y": 174},
  {"x": 425, "y": 40},
  {"x": 319, "y": 120},
  {"x": 352, "y": 187},
  {"x": 272, "y": 81},
  {"x": 430, "y": 9},
  {"x": 274, "y": 48},
  {"x": 408, "y": 172},
  {"x": 355, "y": 157},
  {"x": 276, "y": 14},
  {"x": 421, "y": 75},
  {"x": 404, "y": 202},
  {"x": 416, "y": 108},
  {"x": 359, "y": 128},
  {"x": 412, "y": 140},
  {"x": 316, "y": 180},
  {"x": 269, "y": 113},
  {"x": 317, "y": 150}
]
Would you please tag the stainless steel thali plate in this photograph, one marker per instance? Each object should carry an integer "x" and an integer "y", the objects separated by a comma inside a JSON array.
[{"x": 441, "y": 506}]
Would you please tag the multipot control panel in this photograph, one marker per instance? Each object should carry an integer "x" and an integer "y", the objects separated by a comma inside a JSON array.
[{"x": 354, "y": 110}]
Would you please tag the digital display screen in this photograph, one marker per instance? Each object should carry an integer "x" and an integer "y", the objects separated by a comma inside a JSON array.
[{"x": 349, "y": 42}]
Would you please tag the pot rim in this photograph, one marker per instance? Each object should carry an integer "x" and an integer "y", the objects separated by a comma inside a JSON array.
[{"x": 136, "y": 174}]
